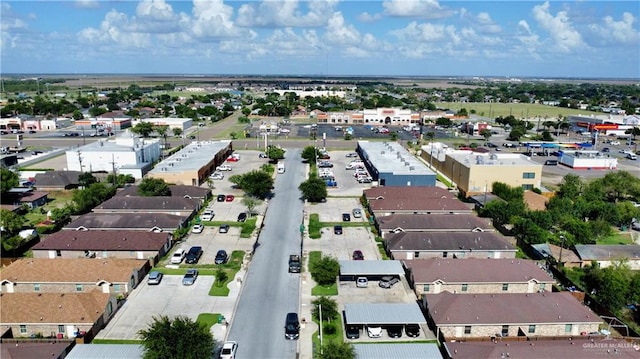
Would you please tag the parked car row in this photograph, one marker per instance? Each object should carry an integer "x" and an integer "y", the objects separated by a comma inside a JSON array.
[{"x": 375, "y": 331}]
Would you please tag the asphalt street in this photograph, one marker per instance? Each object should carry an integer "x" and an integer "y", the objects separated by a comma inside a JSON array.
[{"x": 270, "y": 291}]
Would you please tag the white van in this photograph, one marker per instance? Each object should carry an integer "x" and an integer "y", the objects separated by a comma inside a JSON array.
[{"x": 280, "y": 167}]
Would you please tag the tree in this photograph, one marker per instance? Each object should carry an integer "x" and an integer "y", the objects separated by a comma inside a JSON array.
[
  {"x": 149, "y": 187},
  {"x": 310, "y": 154},
  {"x": 275, "y": 153},
  {"x": 120, "y": 180},
  {"x": 255, "y": 183},
  {"x": 325, "y": 271},
  {"x": 251, "y": 203},
  {"x": 87, "y": 198},
  {"x": 177, "y": 131},
  {"x": 329, "y": 308},
  {"x": 86, "y": 178},
  {"x": 515, "y": 134},
  {"x": 314, "y": 189},
  {"x": 8, "y": 180},
  {"x": 11, "y": 222},
  {"x": 180, "y": 338},
  {"x": 143, "y": 129},
  {"x": 337, "y": 349}
]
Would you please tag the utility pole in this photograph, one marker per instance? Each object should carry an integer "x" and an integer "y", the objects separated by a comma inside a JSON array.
[
  {"x": 80, "y": 159},
  {"x": 113, "y": 168}
]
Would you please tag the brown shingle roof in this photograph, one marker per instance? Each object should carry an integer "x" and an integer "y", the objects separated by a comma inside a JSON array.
[
  {"x": 447, "y": 241},
  {"x": 476, "y": 270},
  {"x": 33, "y": 196},
  {"x": 434, "y": 222},
  {"x": 576, "y": 347},
  {"x": 53, "y": 308},
  {"x": 407, "y": 192},
  {"x": 419, "y": 204},
  {"x": 154, "y": 204},
  {"x": 449, "y": 309},
  {"x": 70, "y": 270},
  {"x": 127, "y": 221},
  {"x": 59, "y": 179},
  {"x": 103, "y": 240}
]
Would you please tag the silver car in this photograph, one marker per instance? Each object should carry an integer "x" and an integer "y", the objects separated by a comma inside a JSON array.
[
  {"x": 155, "y": 278},
  {"x": 357, "y": 213},
  {"x": 190, "y": 277}
]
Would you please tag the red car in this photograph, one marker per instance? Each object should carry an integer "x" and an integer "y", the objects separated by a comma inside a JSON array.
[
  {"x": 230, "y": 198},
  {"x": 232, "y": 159}
]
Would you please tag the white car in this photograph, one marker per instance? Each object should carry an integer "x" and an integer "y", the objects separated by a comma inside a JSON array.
[
  {"x": 207, "y": 215},
  {"x": 374, "y": 332},
  {"x": 614, "y": 143},
  {"x": 198, "y": 228},
  {"x": 217, "y": 176},
  {"x": 229, "y": 350},
  {"x": 178, "y": 256},
  {"x": 284, "y": 130},
  {"x": 223, "y": 168}
]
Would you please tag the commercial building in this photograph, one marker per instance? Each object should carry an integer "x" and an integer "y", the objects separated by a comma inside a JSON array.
[
  {"x": 170, "y": 122},
  {"x": 474, "y": 172},
  {"x": 193, "y": 164},
  {"x": 126, "y": 154},
  {"x": 587, "y": 160},
  {"x": 390, "y": 164},
  {"x": 375, "y": 117}
]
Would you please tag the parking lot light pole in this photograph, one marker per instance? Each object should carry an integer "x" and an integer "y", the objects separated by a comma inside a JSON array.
[{"x": 320, "y": 314}]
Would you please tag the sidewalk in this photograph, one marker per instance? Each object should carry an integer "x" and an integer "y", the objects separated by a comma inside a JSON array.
[{"x": 307, "y": 327}]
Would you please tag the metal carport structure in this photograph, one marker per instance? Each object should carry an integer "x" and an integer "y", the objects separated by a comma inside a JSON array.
[
  {"x": 397, "y": 351},
  {"x": 351, "y": 269},
  {"x": 383, "y": 313}
]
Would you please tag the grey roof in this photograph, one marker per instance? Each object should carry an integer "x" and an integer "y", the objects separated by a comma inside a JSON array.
[
  {"x": 193, "y": 157},
  {"x": 57, "y": 178},
  {"x": 588, "y": 252},
  {"x": 133, "y": 221},
  {"x": 391, "y": 157},
  {"x": 176, "y": 191},
  {"x": 155, "y": 204},
  {"x": 397, "y": 351},
  {"x": 447, "y": 241},
  {"x": 404, "y": 192},
  {"x": 371, "y": 268},
  {"x": 112, "y": 240},
  {"x": 383, "y": 313},
  {"x": 106, "y": 351},
  {"x": 434, "y": 222}
]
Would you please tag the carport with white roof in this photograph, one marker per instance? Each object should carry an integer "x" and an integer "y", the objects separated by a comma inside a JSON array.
[
  {"x": 370, "y": 269},
  {"x": 383, "y": 313}
]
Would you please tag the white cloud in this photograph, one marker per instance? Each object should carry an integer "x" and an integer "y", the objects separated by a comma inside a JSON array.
[
  {"x": 420, "y": 32},
  {"x": 338, "y": 32},
  {"x": 212, "y": 20},
  {"x": 425, "y": 9},
  {"x": 564, "y": 37},
  {"x": 285, "y": 13},
  {"x": 525, "y": 26},
  {"x": 367, "y": 18},
  {"x": 613, "y": 32}
]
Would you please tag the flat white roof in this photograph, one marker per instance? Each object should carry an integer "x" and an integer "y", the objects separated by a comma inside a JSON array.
[
  {"x": 391, "y": 157},
  {"x": 383, "y": 313},
  {"x": 391, "y": 267},
  {"x": 192, "y": 157},
  {"x": 471, "y": 159}
]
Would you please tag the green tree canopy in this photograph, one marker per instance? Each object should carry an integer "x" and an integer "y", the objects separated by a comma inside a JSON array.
[
  {"x": 337, "y": 349},
  {"x": 256, "y": 183},
  {"x": 329, "y": 308},
  {"x": 309, "y": 154},
  {"x": 11, "y": 222},
  {"x": 325, "y": 271},
  {"x": 8, "y": 180},
  {"x": 275, "y": 153},
  {"x": 91, "y": 196},
  {"x": 251, "y": 203},
  {"x": 143, "y": 129},
  {"x": 149, "y": 187},
  {"x": 178, "y": 338},
  {"x": 314, "y": 189},
  {"x": 86, "y": 178}
]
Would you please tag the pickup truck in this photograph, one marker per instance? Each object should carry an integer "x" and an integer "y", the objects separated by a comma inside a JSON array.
[{"x": 294, "y": 263}]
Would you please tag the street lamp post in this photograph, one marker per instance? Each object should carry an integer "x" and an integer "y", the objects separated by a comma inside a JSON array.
[
  {"x": 320, "y": 314},
  {"x": 561, "y": 247}
]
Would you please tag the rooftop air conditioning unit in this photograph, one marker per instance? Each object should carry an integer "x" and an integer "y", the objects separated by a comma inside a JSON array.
[{"x": 411, "y": 168}]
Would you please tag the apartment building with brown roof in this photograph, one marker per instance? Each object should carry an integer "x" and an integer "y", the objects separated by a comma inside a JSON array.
[
  {"x": 177, "y": 206},
  {"x": 475, "y": 275},
  {"x": 103, "y": 244},
  {"x": 555, "y": 314},
  {"x": 62, "y": 315},
  {"x": 43, "y": 275},
  {"x": 397, "y": 223},
  {"x": 421, "y": 245},
  {"x": 157, "y": 222}
]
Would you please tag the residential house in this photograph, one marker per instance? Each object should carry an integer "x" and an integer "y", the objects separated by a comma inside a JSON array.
[
  {"x": 25, "y": 349},
  {"x": 178, "y": 206},
  {"x": 402, "y": 192},
  {"x": 44, "y": 275},
  {"x": 397, "y": 223},
  {"x": 385, "y": 201},
  {"x": 156, "y": 222},
  {"x": 61, "y": 315},
  {"x": 25, "y": 196},
  {"x": 476, "y": 275},
  {"x": 104, "y": 244},
  {"x": 176, "y": 191},
  {"x": 555, "y": 314},
  {"x": 608, "y": 255},
  {"x": 421, "y": 245},
  {"x": 57, "y": 180}
]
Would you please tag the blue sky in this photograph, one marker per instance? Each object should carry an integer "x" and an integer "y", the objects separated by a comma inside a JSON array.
[{"x": 328, "y": 38}]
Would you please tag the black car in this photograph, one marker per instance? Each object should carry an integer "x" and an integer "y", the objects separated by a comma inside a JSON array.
[
  {"x": 193, "y": 255},
  {"x": 346, "y": 217},
  {"x": 492, "y": 145},
  {"x": 242, "y": 217},
  {"x": 394, "y": 331},
  {"x": 291, "y": 326},
  {"x": 221, "y": 198},
  {"x": 412, "y": 330},
  {"x": 221, "y": 257},
  {"x": 352, "y": 332},
  {"x": 337, "y": 229},
  {"x": 606, "y": 149}
]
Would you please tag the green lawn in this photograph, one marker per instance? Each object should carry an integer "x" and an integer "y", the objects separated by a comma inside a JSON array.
[
  {"x": 208, "y": 319},
  {"x": 618, "y": 238},
  {"x": 248, "y": 227},
  {"x": 327, "y": 337},
  {"x": 231, "y": 268},
  {"x": 320, "y": 290},
  {"x": 518, "y": 110},
  {"x": 314, "y": 226}
]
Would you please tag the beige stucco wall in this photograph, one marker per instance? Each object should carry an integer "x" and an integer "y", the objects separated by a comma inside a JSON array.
[
  {"x": 98, "y": 254},
  {"x": 435, "y": 288},
  {"x": 556, "y": 330},
  {"x": 409, "y": 255}
]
